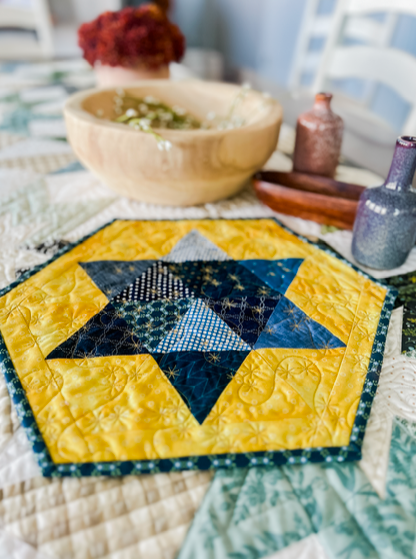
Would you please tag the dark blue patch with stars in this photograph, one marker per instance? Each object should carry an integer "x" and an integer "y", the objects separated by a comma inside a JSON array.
[
  {"x": 247, "y": 316},
  {"x": 277, "y": 274},
  {"x": 220, "y": 280},
  {"x": 112, "y": 276},
  {"x": 200, "y": 377},
  {"x": 106, "y": 334}
]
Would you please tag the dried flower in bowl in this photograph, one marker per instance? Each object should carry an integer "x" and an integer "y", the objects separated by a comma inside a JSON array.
[
  {"x": 149, "y": 113},
  {"x": 156, "y": 113}
]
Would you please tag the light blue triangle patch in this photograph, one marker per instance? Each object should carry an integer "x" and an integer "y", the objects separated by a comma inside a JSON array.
[
  {"x": 195, "y": 246},
  {"x": 201, "y": 330}
]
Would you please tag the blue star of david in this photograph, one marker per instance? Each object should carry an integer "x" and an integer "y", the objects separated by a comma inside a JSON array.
[{"x": 198, "y": 312}]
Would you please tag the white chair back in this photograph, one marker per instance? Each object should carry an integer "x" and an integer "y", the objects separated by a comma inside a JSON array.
[
  {"x": 317, "y": 27},
  {"x": 375, "y": 62},
  {"x": 31, "y": 15},
  {"x": 314, "y": 26}
]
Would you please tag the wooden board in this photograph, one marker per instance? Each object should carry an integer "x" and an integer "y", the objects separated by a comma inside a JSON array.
[
  {"x": 328, "y": 210},
  {"x": 313, "y": 183}
]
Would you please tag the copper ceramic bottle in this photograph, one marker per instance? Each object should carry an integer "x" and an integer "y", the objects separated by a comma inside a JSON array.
[{"x": 318, "y": 139}]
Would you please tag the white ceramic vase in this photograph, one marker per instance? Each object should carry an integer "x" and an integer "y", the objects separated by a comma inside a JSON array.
[{"x": 108, "y": 76}]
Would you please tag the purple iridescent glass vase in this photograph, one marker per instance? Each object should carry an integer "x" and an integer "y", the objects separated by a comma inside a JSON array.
[{"x": 385, "y": 225}]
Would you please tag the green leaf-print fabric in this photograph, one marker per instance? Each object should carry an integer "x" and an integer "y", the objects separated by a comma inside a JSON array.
[
  {"x": 249, "y": 514},
  {"x": 406, "y": 286}
]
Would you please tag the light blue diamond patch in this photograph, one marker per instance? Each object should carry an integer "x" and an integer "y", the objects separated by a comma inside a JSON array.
[
  {"x": 201, "y": 330},
  {"x": 195, "y": 246}
]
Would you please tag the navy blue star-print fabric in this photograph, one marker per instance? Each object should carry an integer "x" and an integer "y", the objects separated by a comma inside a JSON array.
[
  {"x": 247, "y": 316},
  {"x": 219, "y": 280},
  {"x": 113, "y": 276},
  {"x": 200, "y": 377},
  {"x": 277, "y": 274},
  {"x": 107, "y": 333}
]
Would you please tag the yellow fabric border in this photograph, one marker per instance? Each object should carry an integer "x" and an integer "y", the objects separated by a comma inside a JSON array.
[{"x": 125, "y": 408}]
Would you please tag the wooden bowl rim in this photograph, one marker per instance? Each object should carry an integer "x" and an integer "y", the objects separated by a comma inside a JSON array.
[{"x": 73, "y": 107}]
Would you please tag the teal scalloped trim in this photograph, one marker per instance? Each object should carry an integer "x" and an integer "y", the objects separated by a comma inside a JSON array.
[{"x": 208, "y": 462}]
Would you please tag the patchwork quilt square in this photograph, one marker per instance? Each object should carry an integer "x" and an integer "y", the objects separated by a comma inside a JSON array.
[{"x": 168, "y": 345}]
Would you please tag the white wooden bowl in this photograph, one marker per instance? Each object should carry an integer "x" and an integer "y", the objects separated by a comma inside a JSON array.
[{"x": 202, "y": 166}]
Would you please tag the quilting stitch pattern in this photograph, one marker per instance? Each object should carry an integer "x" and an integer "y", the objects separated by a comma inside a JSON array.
[
  {"x": 152, "y": 321},
  {"x": 247, "y": 316},
  {"x": 105, "y": 334}
]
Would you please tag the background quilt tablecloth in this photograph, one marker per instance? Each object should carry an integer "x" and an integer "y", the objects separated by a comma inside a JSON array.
[{"x": 42, "y": 518}]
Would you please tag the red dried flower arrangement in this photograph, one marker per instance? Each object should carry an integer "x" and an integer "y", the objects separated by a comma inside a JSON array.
[{"x": 132, "y": 37}]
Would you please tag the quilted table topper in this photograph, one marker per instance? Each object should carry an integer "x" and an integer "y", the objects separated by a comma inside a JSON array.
[{"x": 168, "y": 345}]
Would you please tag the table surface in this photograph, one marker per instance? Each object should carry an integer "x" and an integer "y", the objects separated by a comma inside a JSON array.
[{"x": 48, "y": 199}]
